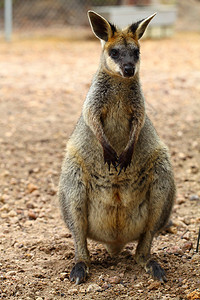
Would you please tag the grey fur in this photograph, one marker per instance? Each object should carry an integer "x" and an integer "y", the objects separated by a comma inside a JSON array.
[{"x": 100, "y": 204}]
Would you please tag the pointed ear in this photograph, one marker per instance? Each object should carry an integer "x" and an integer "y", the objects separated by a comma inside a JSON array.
[
  {"x": 140, "y": 27},
  {"x": 101, "y": 28}
]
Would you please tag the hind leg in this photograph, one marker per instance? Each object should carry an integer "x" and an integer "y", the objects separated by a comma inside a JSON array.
[
  {"x": 161, "y": 198},
  {"x": 143, "y": 257},
  {"x": 73, "y": 201}
]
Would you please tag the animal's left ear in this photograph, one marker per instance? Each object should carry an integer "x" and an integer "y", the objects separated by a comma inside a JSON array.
[{"x": 139, "y": 28}]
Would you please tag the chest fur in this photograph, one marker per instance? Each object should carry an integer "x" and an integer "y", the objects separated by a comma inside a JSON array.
[{"x": 117, "y": 121}]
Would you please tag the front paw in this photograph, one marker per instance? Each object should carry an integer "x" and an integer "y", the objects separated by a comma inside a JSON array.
[
  {"x": 110, "y": 157},
  {"x": 125, "y": 159},
  {"x": 156, "y": 270},
  {"x": 79, "y": 272}
]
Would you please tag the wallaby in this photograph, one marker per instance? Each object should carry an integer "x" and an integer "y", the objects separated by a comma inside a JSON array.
[{"x": 117, "y": 183}]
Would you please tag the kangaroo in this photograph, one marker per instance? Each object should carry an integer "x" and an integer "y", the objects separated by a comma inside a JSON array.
[{"x": 116, "y": 184}]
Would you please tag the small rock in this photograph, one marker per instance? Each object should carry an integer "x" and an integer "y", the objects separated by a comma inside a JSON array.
[
  {"x": 171, "y": 229},
  {"x": 187, "y": 246},
  {"x": 30, "y": 205},
  {"x": 4, "y": 215},
  {"x": 195, "y": 258},
  {"x": 12, "y": 213},
  {"x": 31, "y": 187},
  {"x": 72, "y": 291},
  {"x": 4, "y": 198},
  {"x": 193, "y": 295},
  {"x": 93, "y": 288},
  {"x": 32, "y": 215},
  {"x": 186, "y": 221},
  {"x": 194, "y": 198},
  {"x": 175, "y": 250},
  {"x": 182, "y": 156},
  {"x": 13, "y": 181},
  {"x": 121, "y": 275},
  {"x": 114, "y": 280},
  {"x": 101, "y": 277},
  {"x": 154, "y": 285},
  {"x": 186, "y": 236},
  {"x": 106, "y": 286},
  {"x": 82, "y": 290},
  {"x": 5, "y": 207},
  {"x": 52, "y": 191},
  {"x": 63, "y": 275},
  {"x": 194, "y": 169},
  {"x": 179, "y": 223},
  {"x": 180, "y": 201},
  {"x": 11, "y": 273}
]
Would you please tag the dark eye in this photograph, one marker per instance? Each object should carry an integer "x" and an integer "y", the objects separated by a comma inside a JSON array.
[{"x": 114, "y": 53}]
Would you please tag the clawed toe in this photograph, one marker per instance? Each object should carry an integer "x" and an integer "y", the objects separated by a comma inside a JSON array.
[
  {"x": 156, "y": 271},
  {"x": 79, "y": 273}
]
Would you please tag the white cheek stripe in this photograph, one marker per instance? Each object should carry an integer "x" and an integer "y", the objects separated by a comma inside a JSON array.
[{"x": 112, "y": 65}]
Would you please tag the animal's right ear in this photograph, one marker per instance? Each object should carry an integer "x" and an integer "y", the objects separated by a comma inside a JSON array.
[{"x": 101, "y": 28}]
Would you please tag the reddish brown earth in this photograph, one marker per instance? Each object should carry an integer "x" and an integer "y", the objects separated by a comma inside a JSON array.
[{"x": 43, "y": 86}]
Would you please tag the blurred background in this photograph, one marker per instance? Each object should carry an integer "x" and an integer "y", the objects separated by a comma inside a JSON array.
[{"x": 55, "y": 17}]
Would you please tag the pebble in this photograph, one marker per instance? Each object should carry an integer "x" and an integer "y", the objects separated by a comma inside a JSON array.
[
  {"x": 187, "y": 221},
  {"x": 194, "y": 198},
  {"x": 63, "y": 275},
  {"x": 106, "y": 286},
  {"x": 82, "y": 290},
  {"x": 187, "y": 246},
  {"x": 30, "y": 205},
  {"x": 193, "y": 295},
  {"x": 114, "y": 280},
  {"x": 175, "y": 250},
  {"x": 93, "y": 288},
  {"x": 180, "y": 201},
  {"x": 72, "y": 291},
  {"x": 12, "y": 213},
  {"x": 196, "y": 257},
  {"x": 179, "y": 223},
  {"x": 4, "y": 215},
  {"x": 4, "y": 198},
  {"x": 32, "y": 215},
  {"x": 182, "y": 156},
  {"x": 11, "y": 273},
  {"x": 171, "y": 229},
  {"x": 154, "y": 285},
  {"x": 194, "y": 169},
  {"x": 5, "y": 207},
  {"x": 186, "y": 236},
  {"x": 31, "y": 187}
]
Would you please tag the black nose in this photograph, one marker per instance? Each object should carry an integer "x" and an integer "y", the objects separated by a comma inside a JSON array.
[{"x": 129, "y": 70}]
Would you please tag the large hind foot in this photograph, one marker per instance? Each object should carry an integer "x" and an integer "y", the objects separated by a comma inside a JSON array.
[
  {"x": 153, "y": 268},
  {"x": 79, "y": 272}
]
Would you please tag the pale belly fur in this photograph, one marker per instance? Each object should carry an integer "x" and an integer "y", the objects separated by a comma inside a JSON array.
[{"x": 116, "y": 216}]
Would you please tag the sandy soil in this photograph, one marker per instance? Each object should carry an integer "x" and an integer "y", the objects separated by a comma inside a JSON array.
[{"x": 43, "y": 86}]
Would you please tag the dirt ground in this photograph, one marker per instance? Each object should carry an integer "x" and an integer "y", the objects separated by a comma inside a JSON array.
[{"x": 43, "y": 86}]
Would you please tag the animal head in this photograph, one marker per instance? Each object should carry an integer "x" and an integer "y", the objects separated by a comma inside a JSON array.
[{"x": 121, "y": 49}]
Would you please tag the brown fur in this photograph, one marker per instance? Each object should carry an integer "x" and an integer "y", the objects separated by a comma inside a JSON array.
[{"x": 114, "y": 132}]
